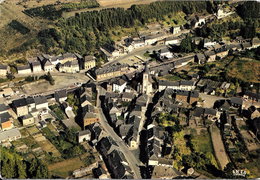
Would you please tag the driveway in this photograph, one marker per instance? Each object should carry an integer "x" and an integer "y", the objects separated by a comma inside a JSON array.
[{"x": 133, "y": 162}]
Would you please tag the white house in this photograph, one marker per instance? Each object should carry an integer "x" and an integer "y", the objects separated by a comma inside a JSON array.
[
  {"x": 138, "y": 43},
  {"x": 165, "y": 53},
  {"x": 41, "y": 102},
  {"x": 84, "y": 135},
  {"x": 200, "y": 21},
  {"x": 119, "y": 85},
  {"x": 171, "y": 40},
  {"x": 208, "y": 43}
]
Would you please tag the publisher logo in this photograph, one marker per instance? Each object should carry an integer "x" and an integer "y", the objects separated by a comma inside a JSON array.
[{"x": 239, "y": 173}]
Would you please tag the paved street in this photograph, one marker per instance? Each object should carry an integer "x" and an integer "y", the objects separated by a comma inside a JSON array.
[
  {"x": 133, "y": 162},
  {"x": 139, "y": 52}
]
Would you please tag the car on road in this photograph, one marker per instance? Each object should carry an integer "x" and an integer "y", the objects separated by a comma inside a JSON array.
[{"x": 203, "y": 100}]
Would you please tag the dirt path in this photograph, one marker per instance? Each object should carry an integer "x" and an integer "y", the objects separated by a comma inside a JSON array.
[{"x": 219, "y": 146}]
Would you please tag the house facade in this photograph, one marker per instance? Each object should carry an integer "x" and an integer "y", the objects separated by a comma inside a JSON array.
[
  {"x": 20, "y": 107},
  {"x": 36, "y": 67},
  {"x": 48, "y": 67},
  {"x": 69, "y": 67},
  {"x": 110, "y": 51},
  {"x": 27, "y": 119},
  {"x": 24, "y": 69},
  {"x": 171, "y": 40},
  {"x": 111, "y": 72},
  {"x": 4, "y": 70},
  {"x": 89, "y": 62}
]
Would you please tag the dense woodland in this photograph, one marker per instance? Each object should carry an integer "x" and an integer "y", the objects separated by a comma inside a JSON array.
[
  {"x": 13, "y": 166},
  {"x": 85, "y": 32}
]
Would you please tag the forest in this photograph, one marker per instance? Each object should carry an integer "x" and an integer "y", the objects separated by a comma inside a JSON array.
[
  {"x": 13, "y": 166},
  {"x": 85, "y": 32}
]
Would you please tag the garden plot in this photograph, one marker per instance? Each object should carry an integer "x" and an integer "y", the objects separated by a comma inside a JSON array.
[
  {"x": 49, "y": 147},
  {"x": 251, "y": 143},
  {"x": 39, "y": 137},
  {"x": 38, "y": 151},
  {"x": 23, "y": 148},
  {"x": 33, "y": 130}
]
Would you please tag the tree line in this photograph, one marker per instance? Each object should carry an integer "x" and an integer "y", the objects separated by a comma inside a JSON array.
[
  {"x": 13, "y": 166},
  {"x": 54, "y": 11}
]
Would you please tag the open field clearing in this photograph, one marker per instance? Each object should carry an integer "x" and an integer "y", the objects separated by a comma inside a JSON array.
[
  {"x": 49, "y": 147},
  {"x": 65, "y": 168},
  {"x": 109, "y": 4},
  {"x": 247, "y": 70}
]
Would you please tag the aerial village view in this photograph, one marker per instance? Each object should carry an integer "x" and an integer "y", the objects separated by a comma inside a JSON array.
[{"x": 129, "y": 89}]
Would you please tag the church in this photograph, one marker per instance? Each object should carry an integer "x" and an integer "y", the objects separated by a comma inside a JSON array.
[{"x": 147, "y": 81}]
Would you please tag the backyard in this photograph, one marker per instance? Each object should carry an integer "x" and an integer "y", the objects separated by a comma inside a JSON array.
[{"x": 57, "y": 111}]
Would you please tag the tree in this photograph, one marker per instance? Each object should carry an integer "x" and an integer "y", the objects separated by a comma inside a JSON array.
[{"x": 21, "y": 166}]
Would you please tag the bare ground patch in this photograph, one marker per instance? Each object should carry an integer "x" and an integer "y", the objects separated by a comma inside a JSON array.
[
  {"x": 49, "y": 147},
  {"x": 219, "y": 146}
]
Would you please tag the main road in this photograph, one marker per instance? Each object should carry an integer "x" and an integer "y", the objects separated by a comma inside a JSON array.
[{"x": 133, "y": 163}]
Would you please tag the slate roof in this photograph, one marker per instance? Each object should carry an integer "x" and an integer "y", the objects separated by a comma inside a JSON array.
[
  {"x": 138, "y": 41},
  {"x": 209, "y": 53},
  {"x": 25, "y": 67},
  {"x": 120, "y": 82},
  {"x": 109, "y": 47},
  {"x": 9, "y": 134},
  {"x": 98, "y": 172},
  {"x": 40, "y": 100},
  {"x": 171, "y": 38},
  {"x": 61, "y": 93},
  {"x": 108, "y": 69},
  {"x": 68, "y": 55},
  {"x": 3, "y": 107},
  {"x": 128, "y": 41},
  {"x": 210, "y": 111},
  {"x": 200, "y": 56},
  {"x": 89, "y": 58},
  {"x": 19, "y": 102},
  {"x": 82, "y": 133},
  {"x": 252, "y": 95},
  {"x": 198, "y": 112},
  {"x": 163, "y": 83},
  {"x": 182, "y": 93},
  {"x": 5, "y": 117},
  {"x": 128, "y": 95},
  {"x": 27, "y": 116},
  {"x": 89, "y": 115},
  {"x": 246, "y": 45},
  {"x": 236, "y": 100},
  {"x": 3, "y": 66},
  {"x": 194, "y": 94},
  {"x": 186, "y": 83},
  {"x": 37, "y": 63},
  {"x": 255, "y": 41}
]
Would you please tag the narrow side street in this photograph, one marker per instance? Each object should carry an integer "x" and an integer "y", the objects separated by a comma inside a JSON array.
[{"x": 133, "y": 163}]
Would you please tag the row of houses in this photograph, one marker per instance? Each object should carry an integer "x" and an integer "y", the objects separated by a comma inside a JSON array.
[
  {"x": 220, "y": 51},
  {"x": 111, "y": 52},
  {"x": 114, "y": 159},
  {"x": 68, "y": 63}
]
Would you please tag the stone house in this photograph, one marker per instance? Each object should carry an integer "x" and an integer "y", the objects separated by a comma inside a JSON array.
[
  {"x": 20, "y": 106},
  {"x": 48, "y": 67},
  {"x": 110, "y": 51},
  {"x": 26, "y": 69},
  {"x": 27, "y": 119},
  {"x": 89, "y": 62},
  {"x": 4, "y": 70},
  {"x": 69, "y": 67}
]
